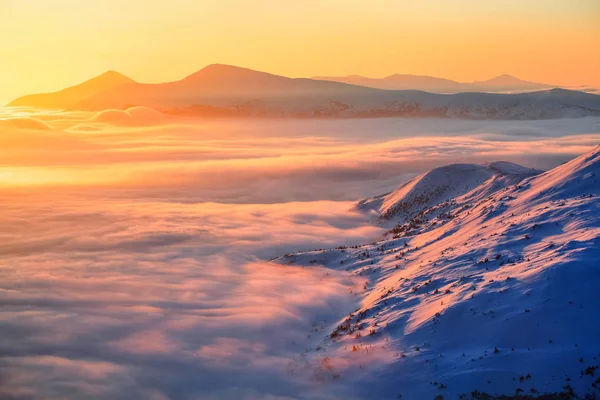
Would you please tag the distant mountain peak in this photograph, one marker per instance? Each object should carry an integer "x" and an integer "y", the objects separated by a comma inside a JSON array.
[
  {"x": 510, "y": 82},
  {"x": 505, "y": 78},
  {"x": 222, "y": 67},
  {"x": 110, "y": 77},
  {"x": 72, "y": 95},
  {"x": 217, "y": 71},
  {"x": 355, "y": 77},
  {"x": 111, "y": 73}
]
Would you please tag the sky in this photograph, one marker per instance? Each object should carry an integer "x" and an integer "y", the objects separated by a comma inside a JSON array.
[{"x": 49, "y": 44}]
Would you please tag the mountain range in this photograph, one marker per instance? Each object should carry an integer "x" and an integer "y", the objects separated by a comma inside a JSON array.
[
  {"x": 229, "y": 91},
  {"x": 500, "y": 84},
  {"x": 485, "y": 285}
]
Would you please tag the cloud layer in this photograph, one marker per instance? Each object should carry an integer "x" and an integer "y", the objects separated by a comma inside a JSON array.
[
  {"x": 112, "y": 298},
  {"x": 132, "y": 259},
  {"x": 273, "y": 161}
]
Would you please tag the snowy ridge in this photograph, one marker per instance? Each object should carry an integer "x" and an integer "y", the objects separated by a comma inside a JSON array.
[
  {"x": 500, "y": 298},
  {"x": 470, "y": 181}
]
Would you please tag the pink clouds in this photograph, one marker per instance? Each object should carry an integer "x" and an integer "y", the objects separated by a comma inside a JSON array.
[
  {"x": 146, "y": 283},
  {"x": 142, "y": 272}
]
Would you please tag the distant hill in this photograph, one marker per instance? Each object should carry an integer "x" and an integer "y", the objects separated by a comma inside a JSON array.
[
  {"x": 217, "y": 86},
  {"x": 499, "y": 84},
  {"x": 228, "y": 91},
  {"x": 403, "y": 82},
  {"x": 507, "y": 83},
  {"x": 227, "y": 80},
  {"x": 70, "y": 96}
]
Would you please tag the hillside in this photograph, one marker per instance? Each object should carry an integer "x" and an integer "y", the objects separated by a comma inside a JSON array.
[
  {"x": 499, "y": 84},
  {"x": 403, "y": 82},
  {"x": 496, "y": 294},
  {"x": 445, "y": 186},
  {"x": 222, "y": 89},
  {"x": 70, "y": 96},
  {"x": 507, "y": 83}
]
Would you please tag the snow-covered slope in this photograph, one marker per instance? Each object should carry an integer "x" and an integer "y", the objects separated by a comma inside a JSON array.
[
  {"x": 499, "y": 295},
  {"x": 441, "y": 186}
]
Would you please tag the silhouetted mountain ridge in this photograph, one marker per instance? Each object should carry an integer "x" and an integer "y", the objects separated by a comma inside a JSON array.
[
  {"x": 220, "y": 90},
  {"x": 72, "y": 95},
  {"x": 498, "y": 84}
]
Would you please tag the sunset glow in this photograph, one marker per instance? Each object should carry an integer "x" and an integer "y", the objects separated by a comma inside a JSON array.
[
  {"x": 299, "y": 200},
  {"x": 47, "y": 45}
]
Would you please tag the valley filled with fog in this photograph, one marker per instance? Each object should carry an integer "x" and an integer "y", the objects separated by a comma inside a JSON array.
[{"x": 134, "y": 251}]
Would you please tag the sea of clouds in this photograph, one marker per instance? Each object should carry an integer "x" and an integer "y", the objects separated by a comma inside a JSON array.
[{"x": 134, "y": 258}]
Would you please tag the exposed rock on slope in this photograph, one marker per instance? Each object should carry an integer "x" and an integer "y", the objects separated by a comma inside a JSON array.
[{"x": 445, "y": 186}]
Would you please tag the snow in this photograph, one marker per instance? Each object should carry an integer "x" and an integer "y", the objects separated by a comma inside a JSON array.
[
  {"x": 497, "y": 295},
  {"x": 439, "y": 185}
]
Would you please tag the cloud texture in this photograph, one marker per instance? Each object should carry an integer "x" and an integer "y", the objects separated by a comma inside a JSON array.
[{"x": 132, "y": 259}]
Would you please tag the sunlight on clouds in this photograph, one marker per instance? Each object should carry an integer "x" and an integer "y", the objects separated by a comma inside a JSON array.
[
  {"x": 132, "y": 257},
  {"x": 254, "y": 162}
]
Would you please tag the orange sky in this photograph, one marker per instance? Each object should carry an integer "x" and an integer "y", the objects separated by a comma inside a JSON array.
[{"x": 49, "y": 44}]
